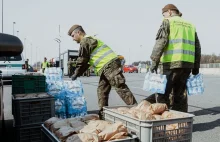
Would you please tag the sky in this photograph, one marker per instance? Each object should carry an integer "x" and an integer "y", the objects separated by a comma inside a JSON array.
[{"x": 129, "y": 27}]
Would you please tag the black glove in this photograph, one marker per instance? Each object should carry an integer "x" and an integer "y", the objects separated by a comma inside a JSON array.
[
  {"x": 195, "y": 71},
  {"x": 154, "y": 67},
  {"x": 74, "y": 77}
]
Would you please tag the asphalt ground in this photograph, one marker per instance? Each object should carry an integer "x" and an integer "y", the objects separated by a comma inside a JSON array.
[{"x": 206, "y": 107}]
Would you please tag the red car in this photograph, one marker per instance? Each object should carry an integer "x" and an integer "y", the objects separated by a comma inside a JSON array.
[{"x": 130, "y": 69}]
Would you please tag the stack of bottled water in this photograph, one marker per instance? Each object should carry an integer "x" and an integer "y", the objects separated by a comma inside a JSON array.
[
  {"x": 155, "y": 83},
  {"x": 76, "y": 104},
  {"x": 195, "y": 85},
  {"x": 53, "y": 74},
  {"x": 60, "y": 103},
  {"x": 69, "y": 99}
]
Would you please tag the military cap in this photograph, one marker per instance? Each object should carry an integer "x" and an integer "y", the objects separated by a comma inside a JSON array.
[
  {"x": 170, "y": 7},
  {"x": 73, "y": 28}
]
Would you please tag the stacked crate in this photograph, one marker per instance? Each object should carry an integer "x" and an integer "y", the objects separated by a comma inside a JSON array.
[{"x": 30, "y": 113}]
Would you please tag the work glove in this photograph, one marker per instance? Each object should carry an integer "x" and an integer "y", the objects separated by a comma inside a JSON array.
[
  {"x": 74, "y": 77},
  {"x": 195, "y": 71},
  {"x": 154, "y": 67}
]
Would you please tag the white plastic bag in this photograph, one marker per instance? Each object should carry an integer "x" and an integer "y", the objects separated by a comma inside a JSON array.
[
  {"x": 155, "y": 83},
  {"x": 195, "y": 85}
]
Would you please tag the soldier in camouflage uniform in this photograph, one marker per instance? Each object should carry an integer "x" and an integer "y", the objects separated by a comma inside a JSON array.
[
  {"x": 106, "y": 65},
  {"x": 177, "y": 71}
]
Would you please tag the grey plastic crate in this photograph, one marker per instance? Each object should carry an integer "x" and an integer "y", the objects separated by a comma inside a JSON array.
[
  {"x": 47, "y": 136},
  {"x": 154, "y": 131}
]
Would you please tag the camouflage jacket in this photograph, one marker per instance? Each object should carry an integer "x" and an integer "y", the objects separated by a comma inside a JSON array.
[
  {"x": 87, "y": 45},
  {"x": 162, "y": 40}
]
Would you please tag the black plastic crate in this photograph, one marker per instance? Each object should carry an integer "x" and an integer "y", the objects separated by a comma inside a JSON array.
[
  {"x": 28, "y": 134},
  {"x": 32, "y": 111},
  {"x": 28, "y": 84}
]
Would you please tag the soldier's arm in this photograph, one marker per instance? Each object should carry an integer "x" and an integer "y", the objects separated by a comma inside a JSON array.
[
  {"x": 86, "y": 47},
  {"x": 162, "y": 39},
  {"x": 197, "y": 52}
]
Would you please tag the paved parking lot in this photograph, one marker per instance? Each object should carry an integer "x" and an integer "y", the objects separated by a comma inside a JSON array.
[{"x": 206, "y": 107}]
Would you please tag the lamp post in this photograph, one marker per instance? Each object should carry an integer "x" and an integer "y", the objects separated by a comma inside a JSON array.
[
  {"x": 140, "y": 51},
  {"x": 36, "y": 58},
  {"x": 31, "y": 55},
  {"x": 59, "y": 41},
  {"x": 129, "y": 56},
  {"x": 2, "y": 16},
  {"x": 25, "y": 50},
  {"x": 14, "y": 28}
]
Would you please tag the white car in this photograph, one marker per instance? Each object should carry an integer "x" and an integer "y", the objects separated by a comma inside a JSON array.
[{"x": 12, "y": 65}]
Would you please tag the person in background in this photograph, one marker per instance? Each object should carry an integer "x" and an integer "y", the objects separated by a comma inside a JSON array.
[
  {"x": 44, "y": 65},
  {"x": 139, "y": 67},
  {"x": 147, "y": 68},
  {"x": 70, "y": 68},
  {"x": 51, "y": 64},
  {"x": 74, "y": 65},
  {"x": 27, "y": 65}
]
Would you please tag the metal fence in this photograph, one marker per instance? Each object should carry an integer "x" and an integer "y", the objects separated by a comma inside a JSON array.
[{"x": 210, "y": 65}]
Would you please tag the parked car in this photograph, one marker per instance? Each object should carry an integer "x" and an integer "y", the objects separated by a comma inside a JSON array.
[
  {"x": 130, "y": 69},
  {"x": 10, "y": 65}
]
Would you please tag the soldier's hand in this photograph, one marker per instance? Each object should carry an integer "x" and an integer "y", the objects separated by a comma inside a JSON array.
[
  {"x": 74, "y": 77},
  {"x": 195, "y": 71},
  {"x": 154, "y": 67}
]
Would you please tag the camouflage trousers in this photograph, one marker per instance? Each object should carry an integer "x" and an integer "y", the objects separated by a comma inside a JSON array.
[
  {"x": 70, "y": 71},
  {"x": 117, "y": 80},
  {"x": 175, "y": 95}
]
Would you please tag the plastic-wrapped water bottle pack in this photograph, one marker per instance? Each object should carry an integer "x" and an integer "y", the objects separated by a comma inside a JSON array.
[
  {"x": 53, "y": 74},
  {"x": 69, "y": 99},
  {"x": 55, "y": 86},
  {"x": 155, "y": 83},
  {"x": 74, "y": 86},
  {"x": 60, "y": 103},
  {"x": 195, "y": 85},
  {"x": 76, "y": 105}
]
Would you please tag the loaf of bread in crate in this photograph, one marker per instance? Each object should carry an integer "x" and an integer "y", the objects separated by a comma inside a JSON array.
[
  {"x": 157, "y": 108},
  {"x": 157, "y": 117},
  {"x": 95, "y": 126},
  {"x": 168, "y": 114},
  {"x": 50, "y": 122},
  {"x": 83, "y": 137},
  {"x": 64, "y": 132},
  {"x": 143, "y": 105},
  {"x": 120, "y": 135},
  {"x": 90, "y": 130},
  {"x": 89, "y": 117},
  {"x": 77, "y": 125},
  {"x": 57, "y": 125},
  {"x": 110, "y": 132}
]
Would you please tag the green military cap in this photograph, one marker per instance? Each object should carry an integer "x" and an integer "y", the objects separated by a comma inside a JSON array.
[{"x": 73, "y": 28}]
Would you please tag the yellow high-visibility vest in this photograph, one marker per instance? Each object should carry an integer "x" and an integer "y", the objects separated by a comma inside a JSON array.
[{"x": 181, "y": 46}]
